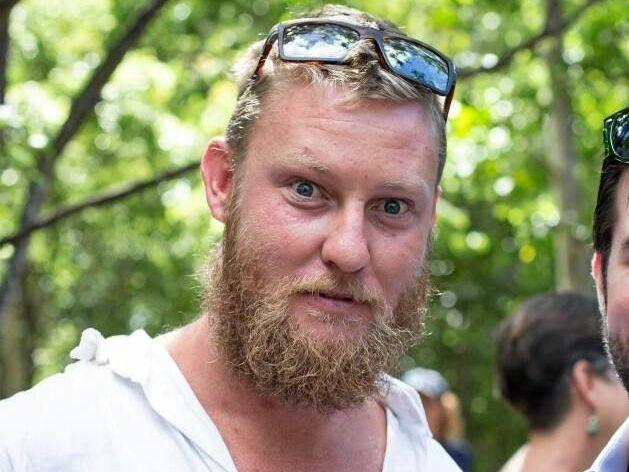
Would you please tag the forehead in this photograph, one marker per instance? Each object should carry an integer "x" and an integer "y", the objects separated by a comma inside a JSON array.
[{"x": 321, "y": 120}]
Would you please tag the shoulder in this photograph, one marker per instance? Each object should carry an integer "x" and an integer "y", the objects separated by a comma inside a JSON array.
[
  {"x": 64, "y": 416},
  {"x": 440, "y": 459},
  {"x": 615, "y": 455},
  {"x": 411, "y": 445},
  {"x": 59, "y": 397},
  {"x": 516, "y": 461},
  {"x": 61, "y": 414}
]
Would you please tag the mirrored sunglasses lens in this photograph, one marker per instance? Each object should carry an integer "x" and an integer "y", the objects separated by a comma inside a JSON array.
[
  {"x": 620, "y": 135},
  {"x": 417, "y": 63},
  {"x": 313, "y": 41}
]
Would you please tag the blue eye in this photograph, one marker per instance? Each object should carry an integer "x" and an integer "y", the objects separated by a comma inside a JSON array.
[
  {"x": 393, "y": 206},
  {"x": 304, "y": 189}
]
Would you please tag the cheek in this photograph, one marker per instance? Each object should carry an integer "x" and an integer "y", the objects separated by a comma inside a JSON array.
[
  {"x": 284, "y": 237},
  {"x": 398, "y": 261},
  {"x": 618, "y": 303}
]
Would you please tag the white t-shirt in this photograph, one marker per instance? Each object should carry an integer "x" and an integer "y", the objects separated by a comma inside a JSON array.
[{"x": 126, "y": 406}]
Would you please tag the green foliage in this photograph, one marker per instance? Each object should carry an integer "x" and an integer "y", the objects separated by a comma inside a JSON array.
[{"x": 132, "y": 265}]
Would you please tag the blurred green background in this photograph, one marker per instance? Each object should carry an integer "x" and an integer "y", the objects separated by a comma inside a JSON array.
[{"x": 99, "y": 98}]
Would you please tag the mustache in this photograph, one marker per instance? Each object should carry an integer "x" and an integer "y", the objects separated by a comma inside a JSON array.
[{"x": 333, "y": 284}]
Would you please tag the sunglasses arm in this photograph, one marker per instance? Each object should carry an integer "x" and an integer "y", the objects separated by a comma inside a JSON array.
[
  {"x": 265, "y": 52},
  {"x": 448, "y": 101}
]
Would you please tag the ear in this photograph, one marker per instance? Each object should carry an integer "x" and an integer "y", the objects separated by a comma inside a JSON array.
[
  {"x": 217, "y": 177},
  {"x": 435, "y": 203},
  {"x": 583, "y": 382},
  {"x": 597, "y": 274}
]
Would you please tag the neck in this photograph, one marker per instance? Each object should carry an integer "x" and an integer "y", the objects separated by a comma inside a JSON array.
[
  {"x": 225, "y": 394},
  {"x": 548, "y": 450}
]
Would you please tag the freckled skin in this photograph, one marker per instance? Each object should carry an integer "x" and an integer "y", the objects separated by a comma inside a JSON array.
[{"x": 364, "y": 147}]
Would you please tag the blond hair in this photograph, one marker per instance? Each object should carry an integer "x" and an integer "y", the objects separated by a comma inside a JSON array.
[{"x": 363, "y": 76}]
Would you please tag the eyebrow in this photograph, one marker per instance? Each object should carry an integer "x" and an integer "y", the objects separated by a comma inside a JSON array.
[
  {"x": 405, "y": 185},
  {"x": 305, "y": 159}
]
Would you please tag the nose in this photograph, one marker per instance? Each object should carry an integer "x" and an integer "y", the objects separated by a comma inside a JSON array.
[{"x": 346, "y": 245}]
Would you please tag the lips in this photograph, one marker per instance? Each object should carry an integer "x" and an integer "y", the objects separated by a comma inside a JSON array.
[
  {"x": 335, "y": 303},
  {"x": 337, "y": 296}
]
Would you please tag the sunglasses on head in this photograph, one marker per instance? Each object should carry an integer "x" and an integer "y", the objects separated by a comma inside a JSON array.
[
  {"x": 327, "y": 41},
  {"x": 616, "y": 136}
]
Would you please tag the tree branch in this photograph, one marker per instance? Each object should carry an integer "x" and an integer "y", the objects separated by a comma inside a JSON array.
[
  {"x": 5, "y": 13},
  {"x": 104, "y": 199},
  {"x": 90, "y": 95},
  {"x": 84, "y": 103},
  {"x": 8, "y": 4},
  {"x": 530, "y": 43},
  {"x": 81, "y": 106}
]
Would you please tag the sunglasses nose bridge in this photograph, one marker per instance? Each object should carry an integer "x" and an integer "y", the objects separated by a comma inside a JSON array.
[{"x": 377, "y": 45}]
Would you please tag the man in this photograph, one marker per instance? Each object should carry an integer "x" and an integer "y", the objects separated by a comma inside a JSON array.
[
  {"x": 552, "y": 368},
  {"x": 610, "y": 268},
  {"x": 327, "y": 183}
]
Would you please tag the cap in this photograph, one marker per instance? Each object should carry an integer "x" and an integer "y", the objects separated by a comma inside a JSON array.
[{"x": 427, "y": 381}]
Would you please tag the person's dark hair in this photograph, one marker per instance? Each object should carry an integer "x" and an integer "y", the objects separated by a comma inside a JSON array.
[
  {"x": 536, "y": 349},
  {"x": 605, "y": 213}
]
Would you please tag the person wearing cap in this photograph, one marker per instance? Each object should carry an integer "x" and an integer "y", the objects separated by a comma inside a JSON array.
[
  {"x": 443, "y": 413},
  {"x": 552, "y": 368},
  {"x": 610, "y": 268},
  {"x": 327, "y": 182}
]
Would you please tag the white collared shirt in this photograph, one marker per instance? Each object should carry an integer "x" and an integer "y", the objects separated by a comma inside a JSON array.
[{"x": 126, "y": 406}]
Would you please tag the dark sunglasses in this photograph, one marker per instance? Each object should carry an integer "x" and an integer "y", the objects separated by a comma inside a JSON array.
[
  {"x": 320, "y": 40},
  {"x": 616, "y": 136}
]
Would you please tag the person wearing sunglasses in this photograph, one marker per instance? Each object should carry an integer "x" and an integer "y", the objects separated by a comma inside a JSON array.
[
  {"x": 327, "y": 183},
  {"x": 610, "y": 268}
]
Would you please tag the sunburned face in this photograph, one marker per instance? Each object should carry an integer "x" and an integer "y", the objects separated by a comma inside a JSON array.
[
  {"x": 325, "y": 242},
  {"x": 614, "y": 290},
  {"x": 336, "y": 190}
]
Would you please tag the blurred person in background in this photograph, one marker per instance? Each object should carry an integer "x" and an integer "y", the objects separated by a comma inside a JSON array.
[
  {"x": 610, "y": 268},
  {"x": 553, "y": 369},
  {"x": 443, "y": 412}
]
